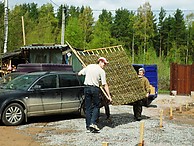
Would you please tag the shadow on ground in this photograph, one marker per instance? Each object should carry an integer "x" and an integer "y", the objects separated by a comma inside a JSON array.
[
  {"x": 117, "y": 119},
  {"x": 53, "y": 118}
]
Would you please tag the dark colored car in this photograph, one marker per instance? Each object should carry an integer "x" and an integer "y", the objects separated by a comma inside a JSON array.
[{"x": 39, "y": 94}]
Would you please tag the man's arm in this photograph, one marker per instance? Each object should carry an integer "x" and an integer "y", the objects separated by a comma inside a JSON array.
[
  {"x": 107, "y": 92},
  {"x": 147, "y": 87}
]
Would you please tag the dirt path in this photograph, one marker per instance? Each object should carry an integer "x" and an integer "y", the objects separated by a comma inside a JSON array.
[{"x": 10, "y": 136}]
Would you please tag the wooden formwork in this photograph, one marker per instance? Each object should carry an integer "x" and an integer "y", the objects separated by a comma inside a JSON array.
[{"x": 122, "y": 78}]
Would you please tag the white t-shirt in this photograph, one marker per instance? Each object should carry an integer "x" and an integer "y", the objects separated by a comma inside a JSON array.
[{"x": 93, "y": 75}]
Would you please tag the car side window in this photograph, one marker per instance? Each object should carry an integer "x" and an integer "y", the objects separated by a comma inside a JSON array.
[
  {"x": 49, "y": 81},
  {"x": 68, "y": 80}
]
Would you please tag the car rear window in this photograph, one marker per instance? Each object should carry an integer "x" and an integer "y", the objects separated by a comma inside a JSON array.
[
  {"x": 48, "y": 81},
  {"x": 68, "y": 80}
]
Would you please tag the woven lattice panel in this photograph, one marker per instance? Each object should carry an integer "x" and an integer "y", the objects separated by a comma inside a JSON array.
[{"x": 121, "y": 77}]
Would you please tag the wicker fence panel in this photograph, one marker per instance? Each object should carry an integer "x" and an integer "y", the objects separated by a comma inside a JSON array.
[{"x": 122, "y": 78}]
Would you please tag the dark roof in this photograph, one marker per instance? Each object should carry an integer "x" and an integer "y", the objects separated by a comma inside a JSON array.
[
  {"x": 10, "y": 54},
  {"x": 42, "y": 47}
]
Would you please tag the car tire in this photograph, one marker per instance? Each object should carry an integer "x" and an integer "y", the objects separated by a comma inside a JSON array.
[{"x": 13, "y": 115}]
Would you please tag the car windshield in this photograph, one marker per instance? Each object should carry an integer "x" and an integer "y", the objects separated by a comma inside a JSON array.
[
  {"x": 22, "y": 82},
  {"x": 5, "y": 79}
]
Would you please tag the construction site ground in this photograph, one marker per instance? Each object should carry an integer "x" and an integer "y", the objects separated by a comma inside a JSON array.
[{"x": 34, "y": 132}]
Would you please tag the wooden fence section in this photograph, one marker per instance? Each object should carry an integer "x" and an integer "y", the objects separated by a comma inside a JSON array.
[
  {"x": 182, "y": 78},
  {"x": 124, "y": 84}
]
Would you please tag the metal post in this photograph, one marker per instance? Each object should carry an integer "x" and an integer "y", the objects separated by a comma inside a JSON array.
[
  {"x": 63, "y": 26},
  {"x": 23, "y": 30},
  {"x": 145, "y": 39},
  {"x": 5, "y": 26},
  {"x": 133, "y": 52}
]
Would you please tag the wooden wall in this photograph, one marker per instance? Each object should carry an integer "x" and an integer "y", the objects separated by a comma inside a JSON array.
[{"x": 182, "y": 78}]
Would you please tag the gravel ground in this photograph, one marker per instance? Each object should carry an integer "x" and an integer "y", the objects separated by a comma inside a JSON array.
[{"x": 122, "y": 130}]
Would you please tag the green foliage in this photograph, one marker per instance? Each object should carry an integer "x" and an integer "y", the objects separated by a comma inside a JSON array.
[
  {"x": 1, "y": 26},
  {"x": 163, "y": 74},
  {"x": 33, "y": 11},
  {"x": 47, "y": 21},
  {"x": 122, "y": 27},
  {"x": 179, "y": 28},
  {"x": 1, "y": 10},
  {"x": 15, "y": 39},
  {"x": 86, "y": 20},
  {"x": 144, "y": 29},
  {"x": 74, "y": 33},
  {"x": 102, "y": 31}
]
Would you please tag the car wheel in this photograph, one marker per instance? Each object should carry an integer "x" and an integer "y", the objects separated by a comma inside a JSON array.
[{"x": 13, "y": 114}]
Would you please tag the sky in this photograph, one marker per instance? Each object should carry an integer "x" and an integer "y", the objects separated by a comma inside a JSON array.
[{"x": 170, "y": 6}]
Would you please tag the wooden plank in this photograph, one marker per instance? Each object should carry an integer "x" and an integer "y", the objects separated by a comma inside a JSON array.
[{"x": 84, "y": 65}]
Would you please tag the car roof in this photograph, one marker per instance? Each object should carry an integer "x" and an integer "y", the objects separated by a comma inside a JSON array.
[{"x": 50, "y": 72}]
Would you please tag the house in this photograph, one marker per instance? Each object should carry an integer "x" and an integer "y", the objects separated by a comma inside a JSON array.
[{"x": 35, "y": 53}]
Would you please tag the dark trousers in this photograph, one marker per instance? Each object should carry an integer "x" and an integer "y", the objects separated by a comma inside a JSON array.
[
  {"x": 92, "y": 102},
  {"x": 104, "y": 102},
  {"x": 137, "y": 108}
]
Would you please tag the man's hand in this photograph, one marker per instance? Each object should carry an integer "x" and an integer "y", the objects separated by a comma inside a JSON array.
[
  {"x": 110, "y": 99},
  {"x": 147, "y": 94}
]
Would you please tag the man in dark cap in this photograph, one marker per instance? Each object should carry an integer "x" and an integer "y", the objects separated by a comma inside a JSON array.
[{"x": 137, "y": 106}]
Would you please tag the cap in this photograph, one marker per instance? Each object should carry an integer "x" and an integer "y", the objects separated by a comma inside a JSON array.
[
  {"x": 142, "y": 69},
  {"x": 103, "y": 59}
]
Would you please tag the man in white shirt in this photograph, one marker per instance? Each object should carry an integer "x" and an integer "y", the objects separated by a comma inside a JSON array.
[{"x": 94, "y": 75}]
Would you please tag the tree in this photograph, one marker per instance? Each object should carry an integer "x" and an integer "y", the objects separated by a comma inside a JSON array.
[
  {"x": 59, "y": 16},
  {"x": 45, "y": 29},
  {"x": 179, "y": 28},
  {"x": 102, "y": 31},
  {"x": 122, "y": 27},
  {"x": 144, "y": 30},
  {"x": 178, "y": 36},
  {"x": 86, "y": 20},
  {"x": 33, "y": 11},
  {"x": 192, "y": 42},
  {"x": 190, "y": 38},
  {"x": 1, "y": 26},
  {"x": 74, "y": 33},
  {"x": 15, "y": 39},
  {"x": 162, "y": 34}
]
